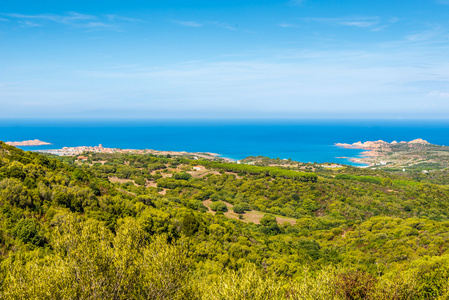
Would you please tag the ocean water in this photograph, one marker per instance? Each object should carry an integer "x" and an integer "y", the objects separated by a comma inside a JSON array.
[{"x": 305, "y": 141}]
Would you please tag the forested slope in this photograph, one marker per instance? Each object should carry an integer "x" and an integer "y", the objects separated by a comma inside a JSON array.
[{"x": 140, "y": 227}]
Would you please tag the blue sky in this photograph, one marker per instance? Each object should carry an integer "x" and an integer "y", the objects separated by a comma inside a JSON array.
[{"x": 224, "y": 59}]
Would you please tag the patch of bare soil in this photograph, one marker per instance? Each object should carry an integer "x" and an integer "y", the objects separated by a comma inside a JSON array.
[
  {"x": 120, "y": 180},
  {"x": 249, "y": 216}
]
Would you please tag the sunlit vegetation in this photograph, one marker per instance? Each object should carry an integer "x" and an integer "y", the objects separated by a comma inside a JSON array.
[{"x": 68, "y": 232}]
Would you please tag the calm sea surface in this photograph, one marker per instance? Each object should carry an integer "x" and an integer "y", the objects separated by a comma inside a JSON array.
[{"x": 305, "y": 141}]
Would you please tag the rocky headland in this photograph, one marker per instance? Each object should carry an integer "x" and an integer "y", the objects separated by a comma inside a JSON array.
[
  {"x": 381, "y": 145},
  {"x": 399, "y": 155}
]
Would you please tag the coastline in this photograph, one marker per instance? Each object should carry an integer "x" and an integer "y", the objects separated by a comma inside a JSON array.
[{"x": 370, "y": 154}]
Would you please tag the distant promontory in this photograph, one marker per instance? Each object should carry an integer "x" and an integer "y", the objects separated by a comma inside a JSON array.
[
  {"x": 28, "y": 143},
  {"x": 379, "y": 145},
  {"x": 417, "y": 154}
]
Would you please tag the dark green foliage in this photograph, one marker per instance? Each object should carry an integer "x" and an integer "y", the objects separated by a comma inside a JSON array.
[
  {"x": 197, "y": 205},
  {"x": 239, "y": 208},
  {"x": 182, "y": 176},
  {"x": 219, "y": 206},
  {"x": 15, "y": 171},
  {"x": 269, "y": 225},
  {"x": 140, "y": 181},
  {"x": 27, "y": 231},
  {"x": 189, "y": 224}
]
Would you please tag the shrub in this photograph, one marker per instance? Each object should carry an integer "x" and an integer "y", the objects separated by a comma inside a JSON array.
[
  {"x": 219, "y": 206},
  {"x": 140, "y": 181},
  {"x": 27, "y": 231},
  {"x": 356, "y": 285},
  {"x": 239, "y": 209},
  {"x": 182, "y": 176}
]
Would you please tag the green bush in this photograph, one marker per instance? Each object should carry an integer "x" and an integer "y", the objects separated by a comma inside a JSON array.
[
  {"x": 239, "y": 209},
  {"x": 27, "y": 230},
  {"x": 182, "y": 176},
  {"x": 140, "y": 181},
  {"x": 219, "y": 206}
]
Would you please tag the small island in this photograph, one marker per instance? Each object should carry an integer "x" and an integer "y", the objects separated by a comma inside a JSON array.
[
  {"x": 35, "y": 142},
  {"x": 416, "y": 154}
]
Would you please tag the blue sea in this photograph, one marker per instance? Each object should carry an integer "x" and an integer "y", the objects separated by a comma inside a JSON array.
[{"x": 305, "y": 141}]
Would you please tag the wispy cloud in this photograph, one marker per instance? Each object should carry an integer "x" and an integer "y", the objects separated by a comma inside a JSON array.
[
  {"x": 362, "y": 22},
  {"x": 287, "y": 25},
  {"x": 446, "y": 2},
  {"x": 188, "y": 23},
  {"x": 121, "y": 18},
  {"x": 223, "y": 25},
  {"x": 426, "y": 35},
  {"x": 206, "y": 23},
  {"x": 69, "y": 18},
  {"x": 72, "y": 19},
  {"x": 439, "y": 94},
  {"x": 27, "y": 23},
  {"x": 371, "y": 23}
]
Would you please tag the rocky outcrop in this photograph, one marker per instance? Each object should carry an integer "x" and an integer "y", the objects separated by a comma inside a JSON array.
[
  {"x": 28, "y": 143},
  {"x": 380, "y": 145},
  {"x": 419, "y": 141}
]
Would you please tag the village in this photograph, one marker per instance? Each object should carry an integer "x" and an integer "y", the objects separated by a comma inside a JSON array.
[{"x": 83, "y": 150}]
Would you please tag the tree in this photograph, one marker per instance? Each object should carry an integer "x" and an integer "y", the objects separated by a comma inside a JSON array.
[
  {"x": 140, "y": 181},
  {"x": 270, "y": 225},
  {"x": 239, "y": 209},
  {"x": 27, "y": 230},
  {"x": 219, "y": 206},
  {"x": 182, "y": 176}
]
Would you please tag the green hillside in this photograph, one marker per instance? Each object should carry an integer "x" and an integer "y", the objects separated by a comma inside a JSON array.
[{"x": 121, "y": 226}]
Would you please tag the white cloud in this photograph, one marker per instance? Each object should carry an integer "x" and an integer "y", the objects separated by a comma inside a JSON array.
[
  {"x": 439, "y": 94},
  {"x": 27, "y": 23},
  {"x": 287, "y": 25},
  {"x": 205, "y": 23},
  {"x": 72, "y": 19},
  {"x": 361, "y": 22},
  {"x": 223, "y": 25},
  {"x": 434, "y": 33},
  {"x": 188, "y": 23},
  {"x": 120, "y": 18}
]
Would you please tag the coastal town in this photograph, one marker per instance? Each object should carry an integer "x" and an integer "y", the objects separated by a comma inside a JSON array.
[
  {"x": 80, "y": 150},
  {"x": 71, "y": 151}
]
